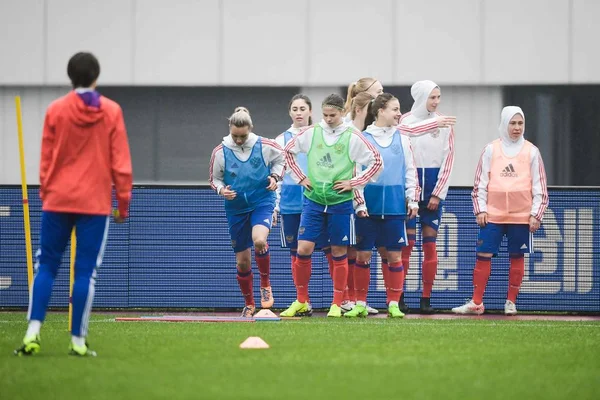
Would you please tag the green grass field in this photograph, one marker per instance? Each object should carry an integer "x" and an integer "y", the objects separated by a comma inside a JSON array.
[{"x": 309, "y": 359}]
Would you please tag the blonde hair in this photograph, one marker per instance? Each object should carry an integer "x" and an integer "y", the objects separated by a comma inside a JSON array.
[
  {"x": 241, "y": 108},
  {"x": 359, "y": 101},
  {"x": 240, "y": 119},
  {"x": 360, "y": 86}
]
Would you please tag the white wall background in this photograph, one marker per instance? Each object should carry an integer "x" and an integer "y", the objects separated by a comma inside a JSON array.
[{"x": 302, "y": 42}]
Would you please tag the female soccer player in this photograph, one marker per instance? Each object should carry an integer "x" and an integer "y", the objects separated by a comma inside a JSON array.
[
  {"x": 386, "y": 202},
  {"x": 332, "y": 149},
  {"x": 290, "y": 195},
  {"x": 245, "y": 169},
  {"x": 434, "y": 156},
  {"x": 510, "y": 198}
]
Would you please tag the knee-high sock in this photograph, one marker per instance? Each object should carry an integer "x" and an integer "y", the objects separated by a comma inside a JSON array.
[
  {"x": 340, "y": 278},
  {"x": 396, "y": 281},
  {"x": 83, "y": 297},
  {"x": 406, "y": 251},
  {"x": 329, "y": 257},
  {"x": 429, "y": 267},
  {"x": 293, "y": 258},
  {"x": 350, "y": 293},
  {"x": 515, "y": 276},
  {"x": 362, "y": 276},
  {"x": 481, "y": 274},
  {"x": 263, "y": 262},
  {"x": 245, "y": 281},
  {"x": 303, "y": 271},
  {"x": 385, "y": 270}
]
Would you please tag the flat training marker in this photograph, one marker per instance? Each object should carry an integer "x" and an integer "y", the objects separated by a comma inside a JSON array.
[{"x": 254, "y": 342}]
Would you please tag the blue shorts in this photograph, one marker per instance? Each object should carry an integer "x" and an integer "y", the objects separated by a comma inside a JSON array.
[
  {"x": 376, "y": 232},
  {"x": 240, "y": 226},
  {"x": 316, "y": 221},
  {"x": 431, "y": 218},
  {"x": 520, "y": 240},
  {"x": 290, "y": 223}
]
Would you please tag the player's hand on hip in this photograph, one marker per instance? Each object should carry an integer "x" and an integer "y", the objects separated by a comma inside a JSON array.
[
  {"x": 534, "y": 224},
  {"x": 306, "y": 183},
  {"x": 434, "y": 203},
  {"x": 445, "y": 121},
  {"x": 342, "y": 186},
  {"x": 482, "y": 219},
  {"x": 274, "y": 218},
  {"x": 228, "y": 193},
  {"x": 362, "y": 214},
  {"x": 272, "y": 184}
]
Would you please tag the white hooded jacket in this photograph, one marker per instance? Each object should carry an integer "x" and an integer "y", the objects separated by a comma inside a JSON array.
[
  {"x": 434, "y": 152},
  {"x": 511, "y": 148},
  {"x": 272, "y": 154}
]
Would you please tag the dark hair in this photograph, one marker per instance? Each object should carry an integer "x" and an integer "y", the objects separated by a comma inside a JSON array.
[
  {"x": 306, "y": 100},
  {"x": 335, "y": 101},
  {"x": 379, "y": 103},
  {"x": 83, "y": 69}
]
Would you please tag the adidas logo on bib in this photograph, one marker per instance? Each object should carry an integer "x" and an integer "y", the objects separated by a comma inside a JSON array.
[
  {"x": 345, "y": 238},
  {"x": 524, "y": 247},
  {"x": 509, "y": 172}
]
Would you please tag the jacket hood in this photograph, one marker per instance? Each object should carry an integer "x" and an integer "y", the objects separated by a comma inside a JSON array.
[
  {"x": 507, "y": 113},
  {"x": 81, "y": 113},
  {"x": 420, "y": 92}
]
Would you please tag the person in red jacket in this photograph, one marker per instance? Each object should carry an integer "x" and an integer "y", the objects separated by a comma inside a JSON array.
[{"x": 84, "y": 152}]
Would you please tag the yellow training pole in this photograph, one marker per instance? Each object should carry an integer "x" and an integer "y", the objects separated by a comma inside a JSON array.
[
  {"x": 25, "y": 199},
  {"x": 72, "y": 276}
]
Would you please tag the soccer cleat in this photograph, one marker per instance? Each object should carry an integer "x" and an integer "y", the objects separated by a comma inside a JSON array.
[
  {"x": 425, "y": 307},
  {"x": 30, "y": 346},
  {"x": 394, "y": 312},
  {"x": 510, "y": 308},
  {"x": 347, "y": 305},
  {"x": 266, "y": 297},
  {"x": 81, "y": 351},
  {"x": 307, "y": 313},
  {"x": 295, "y": 308},
  {"x": 335, "y": 311},
  {"x": 469, "y": 308},
  {"x": 372, "y": 310},
  {"x": 248, "y": 311},
  {"x": 357, "y": 311},
  {"x": 402, "y": 305}
]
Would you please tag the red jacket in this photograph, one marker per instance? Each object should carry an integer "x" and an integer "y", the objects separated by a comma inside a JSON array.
[{"x": 84, "y": 152}]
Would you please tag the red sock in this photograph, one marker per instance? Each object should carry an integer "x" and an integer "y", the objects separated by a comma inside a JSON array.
[
  {"x": 245, "y": 281},
  {"x": 340, "y": 278},
  {"x": 351, "y": 295},
  {"x": 362, "y": 275},
  {"x": 406, "y": 253},
  {"x": 303, "y": 270},
  {"x": 329, "y": 261},
  {"x": 263, "y": 261},
  {"x": 429, "y": 267},
  {"x": 515, "y": 276},
  {"x": 481, "y": 274},
  {"x": 293, "y": 257},
  {"x": 396, "y": 280},
  {"x": 385, "y": 270}
]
